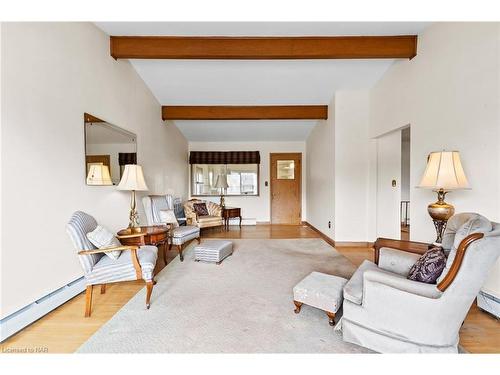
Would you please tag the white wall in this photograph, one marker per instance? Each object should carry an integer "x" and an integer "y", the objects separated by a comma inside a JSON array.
[
  {"x": 449, "y": 93},
  {"x": 51, "y": 74},
  {"x": 257, "y": 207},
  {"x": 321, "y": 174},
  {"x": 353, "y": 153}
]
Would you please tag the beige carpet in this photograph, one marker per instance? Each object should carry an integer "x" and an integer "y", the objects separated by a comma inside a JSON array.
[{"x": 243, "y": 305}]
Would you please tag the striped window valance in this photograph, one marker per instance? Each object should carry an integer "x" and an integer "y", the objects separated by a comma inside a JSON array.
[
  {"x": 224, "y": 157},
  {"x": 125, "y": 158}
]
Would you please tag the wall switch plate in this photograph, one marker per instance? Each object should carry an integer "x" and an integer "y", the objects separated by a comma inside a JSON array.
[
  {"x": 265, "y": 183},
  {"x": 393, "y": 183},
  {"x": 329, "y": 224}
]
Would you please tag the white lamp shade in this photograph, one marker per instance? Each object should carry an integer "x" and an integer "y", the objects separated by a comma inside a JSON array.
[
  {"x": 132, "y": 179},
  {"x": 221, "y": 182},
  {"x": 99, "y": 175},
  {"x": 444, "y": 171}
]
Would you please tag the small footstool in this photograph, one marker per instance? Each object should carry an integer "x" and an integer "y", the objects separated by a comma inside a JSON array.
[
  {"x": 213, "y": 251},
  {"x": 321, "y": 291}
]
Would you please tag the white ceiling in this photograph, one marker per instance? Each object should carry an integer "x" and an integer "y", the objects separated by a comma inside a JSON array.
[
  {"x": 246, "y": 130},
  {"x": 250, "y": 82},
  {"x": 261, "y": 28}
]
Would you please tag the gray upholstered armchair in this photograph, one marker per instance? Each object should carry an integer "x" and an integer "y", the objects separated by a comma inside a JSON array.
[
  {"x": 178, "y": 235},
  {"x": 134, "y": 262},
  {"x": 386, "y": 312}
]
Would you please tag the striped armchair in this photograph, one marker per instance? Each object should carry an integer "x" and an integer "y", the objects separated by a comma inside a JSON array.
[
  {"x": 134, "y": 262},
  {"x": 178, "y": 236},
  {"x": 214, "y": 218}
]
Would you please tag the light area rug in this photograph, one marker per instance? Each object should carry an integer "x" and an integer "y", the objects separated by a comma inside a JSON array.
[{"x": 244, "y": 305}]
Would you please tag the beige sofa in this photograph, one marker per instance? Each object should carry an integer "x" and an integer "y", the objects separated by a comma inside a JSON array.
[{"x": 214, "y": 218}]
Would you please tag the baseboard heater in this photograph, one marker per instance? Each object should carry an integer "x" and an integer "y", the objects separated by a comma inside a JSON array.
[
  {"x": 34, "y": 311},
  {"x": 489, "y": 303}
]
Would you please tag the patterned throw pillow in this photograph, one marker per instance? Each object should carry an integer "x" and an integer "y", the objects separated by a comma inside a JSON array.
[
  {"x": 200, "y": 209},
  {"x": 429, "y": 266}
]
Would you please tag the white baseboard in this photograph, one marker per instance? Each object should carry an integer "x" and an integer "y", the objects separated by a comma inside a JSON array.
[
  {"x": 34, "y": 311},
  {"x": 489, "y": 303},
  {"x": 236, "y": 221}
]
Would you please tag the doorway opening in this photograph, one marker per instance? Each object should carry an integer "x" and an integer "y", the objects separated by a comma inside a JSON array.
[{"x": 405, "y": 184}]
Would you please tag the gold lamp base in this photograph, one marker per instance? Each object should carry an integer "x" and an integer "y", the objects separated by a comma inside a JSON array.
[
  {"x": 222, "y": 203},
  {"x": 133, "y": 223},
  {"x": 440, "y": 212}
]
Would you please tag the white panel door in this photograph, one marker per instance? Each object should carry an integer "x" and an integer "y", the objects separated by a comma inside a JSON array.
[{"x": 389, "y": 185}]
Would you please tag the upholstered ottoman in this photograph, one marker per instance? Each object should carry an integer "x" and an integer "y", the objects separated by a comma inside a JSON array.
[
  {"x": 213, "y": 251},
  {"x": 321, "y": 291}
]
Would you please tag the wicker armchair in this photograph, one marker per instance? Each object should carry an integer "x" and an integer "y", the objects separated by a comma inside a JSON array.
[{"x": 213, "y": 219}]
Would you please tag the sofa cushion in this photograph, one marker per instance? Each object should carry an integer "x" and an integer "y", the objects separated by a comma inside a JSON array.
[
  {"x": 429, "y": 266},
  {"x": 200, "y": 209}
]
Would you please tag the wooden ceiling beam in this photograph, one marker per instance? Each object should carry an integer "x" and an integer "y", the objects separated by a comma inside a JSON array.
[
  {"x": 263, "y": 48},
  {"x": 224, "y": 112}
]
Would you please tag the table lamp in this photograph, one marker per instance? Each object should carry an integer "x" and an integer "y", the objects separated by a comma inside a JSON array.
[
  {"x": 99, "y": 175},
  {"x": 444, "y": 172},
  {"x": 221, "y": 184},
  {"x": 133, "y": 180}
]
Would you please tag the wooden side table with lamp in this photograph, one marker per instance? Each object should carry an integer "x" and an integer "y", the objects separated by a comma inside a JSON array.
[
  {"x": 147, "y": 235},
  {"x": 133, "y": 180}
]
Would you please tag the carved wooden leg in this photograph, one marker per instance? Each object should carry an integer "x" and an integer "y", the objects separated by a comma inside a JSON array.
[
  {"x": 179, "y": 247},
  {"x": 103, "y": 288},
  {"x": 149, "y": 290},
  {"x": 170, "y": 246},
  {"x": 88, "y": 300},
  {"x": 199, "y": 240},
  {"x": 298, "y": 305},
  {"x": 331, "y": 318},
  {"x": 165, "y": 253}
]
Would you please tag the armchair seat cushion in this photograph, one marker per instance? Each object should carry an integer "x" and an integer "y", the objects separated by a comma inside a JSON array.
[
  {"x": 185, "y": 231},
  {"x": 108, "y": 270}
]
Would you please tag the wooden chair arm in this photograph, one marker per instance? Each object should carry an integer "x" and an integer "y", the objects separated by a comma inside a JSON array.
[
  {"x": 107, "y": 250},
  {"x": 457, "y": 261},
  {"x": 407, "y": 246}
]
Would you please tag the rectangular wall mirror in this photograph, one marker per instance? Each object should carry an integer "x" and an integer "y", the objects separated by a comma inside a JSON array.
[{"x": 108, "y": 148}]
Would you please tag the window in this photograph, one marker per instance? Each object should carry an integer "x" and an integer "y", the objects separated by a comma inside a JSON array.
[
  {"x": 242, "y": 179},
  {"x": 286, "y": 169}
]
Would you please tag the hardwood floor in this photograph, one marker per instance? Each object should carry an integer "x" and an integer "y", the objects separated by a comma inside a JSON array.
[{"x": 65, "y": 329}]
